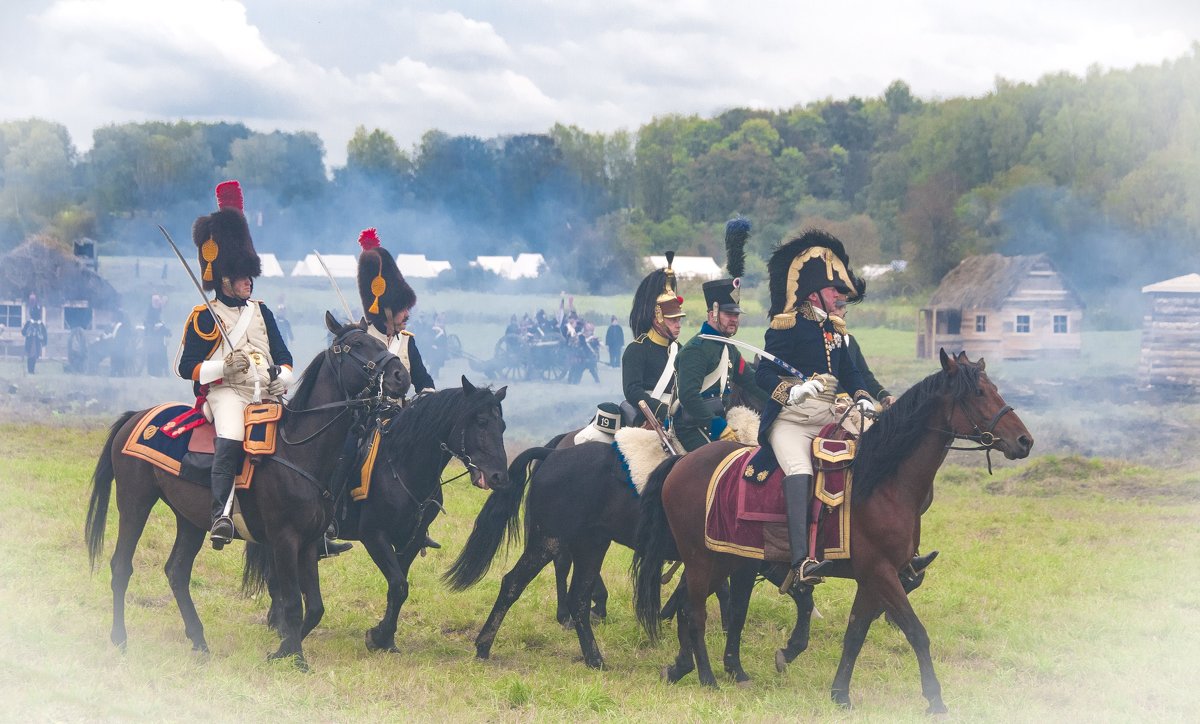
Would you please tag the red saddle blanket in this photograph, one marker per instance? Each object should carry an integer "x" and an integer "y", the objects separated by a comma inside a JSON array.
[{"x": 749, "y": 519}]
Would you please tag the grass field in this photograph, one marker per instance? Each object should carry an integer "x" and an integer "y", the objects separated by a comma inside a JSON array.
[{"x": 1066, "y": 591}]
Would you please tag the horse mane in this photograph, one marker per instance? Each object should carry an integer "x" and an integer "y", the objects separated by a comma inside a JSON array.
[
  {"x": 308, "y": 381},
  {"x": 900, "y": 428},
  {"x": 421, "y": 423}
]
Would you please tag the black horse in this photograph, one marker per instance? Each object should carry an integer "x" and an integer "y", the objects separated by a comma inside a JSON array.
[
  {"x": 287, "y": 505},
  {"x": 406, "y": 493},
  {"x": 579, "y": 502}
]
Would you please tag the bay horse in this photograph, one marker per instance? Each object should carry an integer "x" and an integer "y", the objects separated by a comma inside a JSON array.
[
  {"x": 579, "y": 502},
  {"x": 405, "y": 493},
  {"x": 894, "y": 471},
  {"x": 287, "y": 505}
]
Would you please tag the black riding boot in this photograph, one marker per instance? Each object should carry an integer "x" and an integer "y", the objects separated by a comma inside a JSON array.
[
  {"x": 912, "y": 576},
  {"x": 225, "y": 460},
  {"x": 797, "y": 493}
]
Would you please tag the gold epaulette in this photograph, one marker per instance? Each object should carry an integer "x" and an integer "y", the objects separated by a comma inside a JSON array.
[
  {"x": 784, "y": 320},
  {"x": 407, "y": 333},
  {"x": 194, "y": 321}
]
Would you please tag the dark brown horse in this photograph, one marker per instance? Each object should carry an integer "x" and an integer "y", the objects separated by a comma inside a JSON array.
[
  {"x": 897, "y": 460},
  {"x": 287, "y": 506}
]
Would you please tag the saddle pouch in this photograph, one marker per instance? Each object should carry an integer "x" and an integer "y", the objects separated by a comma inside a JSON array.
[
  {"x": 262, "y": 420},
  {"x": 196, "y": 467},
  {"x": 832, "y": 461}
]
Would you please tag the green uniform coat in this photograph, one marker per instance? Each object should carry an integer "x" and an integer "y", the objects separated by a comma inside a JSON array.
[{"x": 695, "y": 361}]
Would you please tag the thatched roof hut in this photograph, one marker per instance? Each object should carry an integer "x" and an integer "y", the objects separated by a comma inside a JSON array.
[
  {"x": 55, "y": 275},
  {"x": 1171, "y": 332},
  {"x": 1010, "y": 307}
]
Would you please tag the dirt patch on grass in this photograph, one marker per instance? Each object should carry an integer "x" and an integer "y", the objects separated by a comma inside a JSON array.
[{"x": 1053, "y": 475}]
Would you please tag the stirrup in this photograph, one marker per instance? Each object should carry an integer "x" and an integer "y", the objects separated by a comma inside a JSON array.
[
  {"x": 222, "y": 532},
  {"x": 805, "y": 573}
]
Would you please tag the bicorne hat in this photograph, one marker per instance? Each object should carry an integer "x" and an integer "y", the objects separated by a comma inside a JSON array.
[{"x": 804, "y": 265}]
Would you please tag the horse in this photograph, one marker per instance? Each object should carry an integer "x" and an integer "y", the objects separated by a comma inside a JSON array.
[
  {"x": 287, "y": 504},
  {"x": 405, "y": 493},
  {"x": 579, "y": 502},
  {"x": 894, "y": 471}
]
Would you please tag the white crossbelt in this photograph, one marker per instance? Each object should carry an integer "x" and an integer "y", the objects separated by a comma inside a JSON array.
[{"x": 667, "y": 373}]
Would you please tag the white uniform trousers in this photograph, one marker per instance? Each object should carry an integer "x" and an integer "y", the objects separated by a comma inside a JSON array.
[
  {"x": 228, "y": 408},
  {"x": 792, "y": 433}
]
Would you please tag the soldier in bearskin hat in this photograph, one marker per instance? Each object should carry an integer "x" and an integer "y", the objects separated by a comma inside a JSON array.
[
  {"x": 706, "y": 367},
  {"x": 648, "y": 364},
  {"x": 259, "y": 364},
  {"x": 387, "y": 301}
]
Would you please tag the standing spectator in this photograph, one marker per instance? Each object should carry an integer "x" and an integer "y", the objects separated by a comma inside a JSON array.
[
  {"x": 614, "y": 339},
  {"x": 35, "y": 334}
]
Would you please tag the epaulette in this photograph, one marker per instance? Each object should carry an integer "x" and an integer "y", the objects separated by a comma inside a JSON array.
[
  {"x": 407, "y": 333},
  {"x": 641, "y": 338},
  {"x": 210, "y": 335}
]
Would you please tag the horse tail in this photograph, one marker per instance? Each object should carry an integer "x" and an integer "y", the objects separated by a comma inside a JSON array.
[
  {"x": 500, "y": 515},
  {"x": 652, "y": 547},
  {"x": 554, "y": 441},
  {"x": 256, "y": 569},
  {"x": 102, "y": 479}
]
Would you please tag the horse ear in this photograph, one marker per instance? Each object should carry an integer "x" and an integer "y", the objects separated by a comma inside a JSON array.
[
  {"x": 949, "y": 366},
  {"x": 331, "y": 323},
  {"x": 468, "y": 388},
  {"x": 982, "y": 364},
  {"x": 501, "y": 392},
  {"x": 362, "y": 323},
  {"x": 962, "y": 357}
]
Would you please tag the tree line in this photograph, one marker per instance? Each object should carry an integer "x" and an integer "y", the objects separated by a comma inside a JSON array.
[{"x": 1102, "y": 172}]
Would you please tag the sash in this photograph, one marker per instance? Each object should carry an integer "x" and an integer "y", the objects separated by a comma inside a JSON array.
[
  {"x": 668, "y": 372},
  {"x": 721, "y": 373},
  {"x": 243, "y": 324}
]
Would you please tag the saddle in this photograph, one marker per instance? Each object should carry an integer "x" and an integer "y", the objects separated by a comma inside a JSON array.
[{"x": 745, "y": 512}]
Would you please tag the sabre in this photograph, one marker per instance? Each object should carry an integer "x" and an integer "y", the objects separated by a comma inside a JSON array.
[
  {"x": 751, "y": 348},
  {"x": 336, "y": 288},
  {"x": 199, "y": 288}
]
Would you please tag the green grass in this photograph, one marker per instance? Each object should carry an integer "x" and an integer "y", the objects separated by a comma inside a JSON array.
[{"x": 1077, "y": 603}]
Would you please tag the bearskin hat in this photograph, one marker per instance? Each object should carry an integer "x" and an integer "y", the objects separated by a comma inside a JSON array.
[
  {"x": 381, "y": 286},
  {"x": 804, "y": 265},
  {"x": 223, "y": 240},
  {"x": 655, "y": 296}
]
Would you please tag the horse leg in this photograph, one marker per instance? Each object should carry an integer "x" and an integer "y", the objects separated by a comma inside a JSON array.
[
  {"x": 588, "y": 556},
  {"x": 382, "y": 637},
  {"x": 600, "y": 599},
  {"x": 864, "y": 610},
  {"x": 188, "y": 541},
  {"x": 133, "y": 512},
  {"x": 310, "y": 589},
  {"x": 562, "y": 569},
  {"x": 738, "y": 588},
  {"x": 803, "y": 598},
  {"x": 723, "y": 604},
  {"x": 285, "y": 550},
  {"x": 533, "y": 559},
  {"x": 901, "y": 611},
  {"x": 685, "y": 660},
  {"x": 699, "y": 588}
]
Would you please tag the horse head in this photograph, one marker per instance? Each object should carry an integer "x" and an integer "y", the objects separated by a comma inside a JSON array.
[
  {"x": 478, "y": 434},
  {"x": 363, "y": 363},
  {"x": 979, "y": 413}
]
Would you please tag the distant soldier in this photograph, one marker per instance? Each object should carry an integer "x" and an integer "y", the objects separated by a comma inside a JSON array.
[
  {"x": 614, "y": 339},
  {"x": 285, "y": 326},
  {"x": 259, "y": 364},
  {"x": 706, "y": 367},
  {"x": 648, "y": 364},
  {"x": 35, "y": 334},
  {"x": 154, "y": 338}
]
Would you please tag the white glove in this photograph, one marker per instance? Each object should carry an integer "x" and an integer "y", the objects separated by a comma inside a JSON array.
[
  {"x": 235, "y": 362},
  {"x": 281, "y": 383},
  {"x": 805, "y": 390},
  {"x": 865, "y": 405}
]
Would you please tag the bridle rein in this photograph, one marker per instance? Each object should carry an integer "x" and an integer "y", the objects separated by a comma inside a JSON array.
[{"x": 983, "y": 439}]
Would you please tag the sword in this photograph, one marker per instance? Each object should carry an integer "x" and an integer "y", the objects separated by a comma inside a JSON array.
[
  {"x": 658, "y": 428},
  {"x": 751, "y": 348},
  {"x": 336, "y": 288},
  {"x": 199, "y": 288}
]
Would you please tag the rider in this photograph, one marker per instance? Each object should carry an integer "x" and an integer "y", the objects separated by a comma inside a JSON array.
[
  {"x": 387, "y": 300},
  {"x": 808, "y": 275},
  {"x": 258, "y": 365},
  {"x": 706, "y": 366},
  {"x": 648, "y": 364}
]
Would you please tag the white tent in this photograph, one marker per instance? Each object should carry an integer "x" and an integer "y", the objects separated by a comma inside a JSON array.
[
  {"x": 1186, "y": 284},
  {"x": 418, "y": 267},
  {"x": 704, "y": 268},
  {"x": 270, "y": 265},
  {"x": 525, "y": 266},
  {"x": 344, "y": 266}
]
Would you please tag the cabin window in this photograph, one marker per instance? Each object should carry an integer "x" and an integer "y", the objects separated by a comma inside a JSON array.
[
  {"x": 980, "y": 322},
  {"x": 77, "y": 317},
  {"x": 1060, "y": 324},
  {"x": 1022, "y": 324},
  {"x": 10, "y": 315},
  {"x": 953, "y": 322}
]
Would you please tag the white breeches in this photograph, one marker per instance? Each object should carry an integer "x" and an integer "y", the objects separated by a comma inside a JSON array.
[
  {"x": 792, "y": 433},
  {"x": 228, "y": 408}
]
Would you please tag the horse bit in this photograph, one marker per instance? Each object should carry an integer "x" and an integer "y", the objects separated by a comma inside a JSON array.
[{"x": 983, "y": 439}]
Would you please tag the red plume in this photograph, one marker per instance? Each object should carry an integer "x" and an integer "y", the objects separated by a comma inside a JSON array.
[
  {"x": 368, "y": 239},
  {"x": 229, "y": 195}
]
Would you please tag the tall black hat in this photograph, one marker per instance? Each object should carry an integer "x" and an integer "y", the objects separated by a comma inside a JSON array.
[
  {"x": 726, "y": 294},
  {"x": 804, "y": 265},
  {"x": 381, "y": 286},
  {"x": 655, "y": 299},
  {"x": 223, "y": 240}
]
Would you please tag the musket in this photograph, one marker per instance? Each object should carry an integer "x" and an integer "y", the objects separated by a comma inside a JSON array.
[
  {"x": 336, "y": 288},
  {"x": 199, "y": 288},
  {"x": 658, "y": 428},
  {"x": 751, "y": 348}
]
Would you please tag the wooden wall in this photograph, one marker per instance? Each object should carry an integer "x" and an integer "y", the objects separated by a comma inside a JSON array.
[{"x": 1171, "y": 340}]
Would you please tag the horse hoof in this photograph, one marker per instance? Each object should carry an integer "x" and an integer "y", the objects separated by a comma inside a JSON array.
[
  {"x": 597, "y": 664},
  {"x": 781, "y": 661},
  {"x": 375, "y": 645},
  {"x": 743, "y": 683},
  {"x": 665, "y": 675},
  {"x": 483, "y": 654},
  {"x": 937, "y": 708}
]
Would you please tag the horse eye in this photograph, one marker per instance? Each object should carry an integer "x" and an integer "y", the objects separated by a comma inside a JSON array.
[{"x": 979, "y": 392}]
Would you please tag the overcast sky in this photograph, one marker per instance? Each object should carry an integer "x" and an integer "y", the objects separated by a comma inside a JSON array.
[{"x": 508, "y": 66}]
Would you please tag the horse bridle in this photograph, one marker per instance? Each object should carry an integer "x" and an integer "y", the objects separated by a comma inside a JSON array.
[
  {"x": 983, "y": 439},
  {"x": 462, "y": 456}
]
